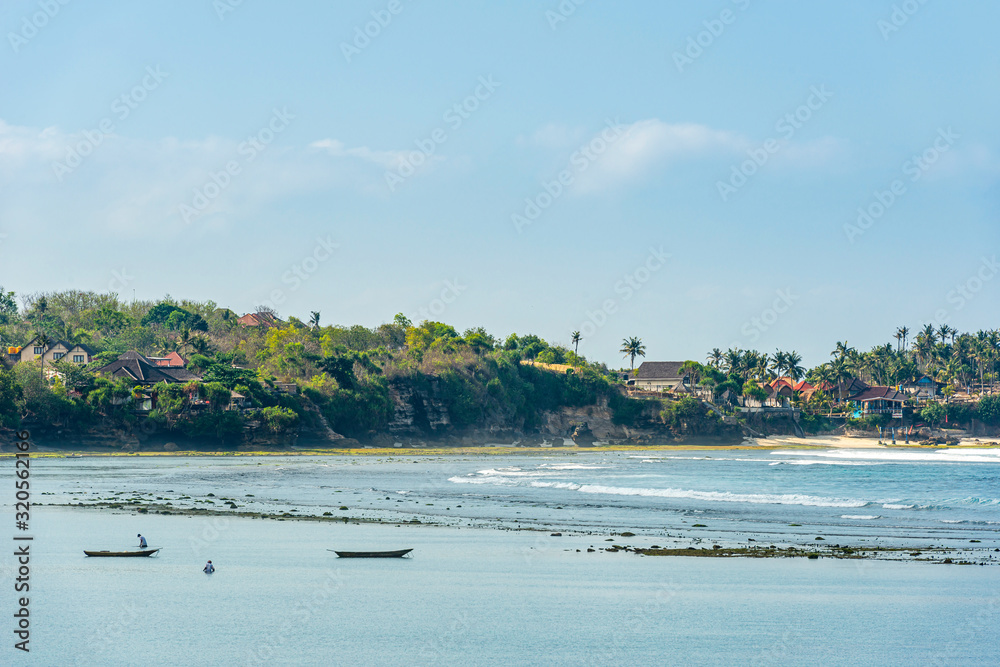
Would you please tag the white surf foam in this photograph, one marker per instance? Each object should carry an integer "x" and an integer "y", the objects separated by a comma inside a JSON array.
[
  {"x": 482, "y": 480},
  {"x": 556, "y": 485},
  {"x": 901, "y": 456},
  {"x": 725, "y": 496}
]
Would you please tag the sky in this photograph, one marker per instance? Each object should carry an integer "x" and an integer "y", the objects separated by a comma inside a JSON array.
[{"x": 732, "y": 173}]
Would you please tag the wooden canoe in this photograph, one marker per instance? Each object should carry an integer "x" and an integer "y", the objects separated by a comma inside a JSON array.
[
  {"x": 372, "y": 554},
  {"x": 121, "y": 554}
]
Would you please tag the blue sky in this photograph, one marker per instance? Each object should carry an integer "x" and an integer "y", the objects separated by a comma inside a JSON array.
[{"x": 688, "y": 173}]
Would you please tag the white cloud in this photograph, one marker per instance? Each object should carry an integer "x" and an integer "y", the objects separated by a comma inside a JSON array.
[
  {"x": 384, "y": 159},
  {"x": 134, "y": 187},
  {"x": 648, "y": 144}
]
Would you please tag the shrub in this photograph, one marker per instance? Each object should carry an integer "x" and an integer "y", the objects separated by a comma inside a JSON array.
[
  {"x": 989, "y": 409},
  {"x": 279, "y": 419},
  {"x": 934, "y": 413}
]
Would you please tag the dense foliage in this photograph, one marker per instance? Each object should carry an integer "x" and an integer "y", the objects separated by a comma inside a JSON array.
[
  {"x": 345, "y": 374},
  {"x": 276, "y": 378}
]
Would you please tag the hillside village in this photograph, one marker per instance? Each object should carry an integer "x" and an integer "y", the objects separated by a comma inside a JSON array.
[{"x": 184, "y": 371}]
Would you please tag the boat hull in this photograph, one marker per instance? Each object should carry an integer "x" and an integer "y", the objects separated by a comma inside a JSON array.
[
  {"x": 372, "y": 554},
  {"x": 121, "y": 554}
]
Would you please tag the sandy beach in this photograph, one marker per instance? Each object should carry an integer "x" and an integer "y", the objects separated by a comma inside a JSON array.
[{"x": 771, "y": 442}]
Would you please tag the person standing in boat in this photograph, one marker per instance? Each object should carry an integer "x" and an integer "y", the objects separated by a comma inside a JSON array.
[
  {"x": 209, "y": 568},
  {"x": 142, "y": 541}
]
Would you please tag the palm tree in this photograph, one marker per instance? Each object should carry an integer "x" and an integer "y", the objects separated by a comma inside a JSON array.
[
  {"x": 184, "y": 339},
  {"x": 823, "y": 375},
  {"x": 731, "y": 361},
  {"x": 842, "y": 350},
  {"x": 575, "y": 338},
  {"x": 904, "y": 332},
  {"x": 199, "y": 344},
  {"x": 633, "y": 347},
  {"x": 929, "y": 332},
  {"x": 793, "y": 366},
  {"x": 924, "y": 346},
  {"x": 762, "y": 366},
  {"x": 944, "y": 331},
  {"x": 314, "y": 319},
  {"x": 841, "y": 373},
  {"x": 715, "y": 357},
  {"x": 778, "y": 362}
]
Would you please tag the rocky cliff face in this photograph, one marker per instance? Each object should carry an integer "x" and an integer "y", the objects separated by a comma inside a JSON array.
[
  {"x": 421, "y": 417},
  {"x": 419, "y": 413},
  {"x": 593, "y": 418}
]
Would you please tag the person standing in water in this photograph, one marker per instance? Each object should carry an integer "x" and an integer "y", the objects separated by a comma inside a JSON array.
[
  {"x": 142, "y": 541},
  {"x": 209, "y": 568}
]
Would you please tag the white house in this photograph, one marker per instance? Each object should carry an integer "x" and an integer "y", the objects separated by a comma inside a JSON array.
[{"x": 659, "y": 376}]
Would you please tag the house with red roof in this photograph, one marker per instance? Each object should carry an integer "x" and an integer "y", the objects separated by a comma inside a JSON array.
[
  {"x": 258, "y": 320},
  {"x": 172, "y": 360}
]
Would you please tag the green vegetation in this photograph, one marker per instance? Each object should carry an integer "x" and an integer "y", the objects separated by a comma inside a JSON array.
[
  {"x": 351, "y": 377},
  {"x": 272, "y": 381},
  {"x": 963, "y": 365}
]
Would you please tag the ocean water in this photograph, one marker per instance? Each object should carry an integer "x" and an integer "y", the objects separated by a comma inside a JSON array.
[
  {"x": 899, "y": 496},
  {"x": 477, "y": 592}
]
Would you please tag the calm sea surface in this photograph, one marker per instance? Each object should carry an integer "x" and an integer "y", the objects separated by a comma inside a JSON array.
[{"x": 475, "y": 592}]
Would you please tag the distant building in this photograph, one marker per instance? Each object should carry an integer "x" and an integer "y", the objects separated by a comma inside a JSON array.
[
  {"x": 877, "y": 400},
  {"x": 924, "y": 388},
  {"x": 659, "y": 376},
  {"x": 779, "y": 394},
  {"x": 172, "y": 360},
  {"x": 54, "y": 350},
  {"x": 801, "y": 385},
  {"x": 142, "y": 370},
  {"x": 258, "y": 320}
]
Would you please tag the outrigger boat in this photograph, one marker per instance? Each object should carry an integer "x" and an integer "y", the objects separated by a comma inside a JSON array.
[
  {"x": 122, "y": 554},
  {"x": 372, "y": 554}
]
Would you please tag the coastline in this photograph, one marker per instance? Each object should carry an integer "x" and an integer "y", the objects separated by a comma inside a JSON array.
[{"x": 774, "y": 442}]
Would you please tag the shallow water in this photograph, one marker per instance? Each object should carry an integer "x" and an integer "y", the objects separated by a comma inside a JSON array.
[
  {"x": 907, "y": 497},
  {"x": 478, "y": 597},
  {"x": 472, "y": 594}
]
